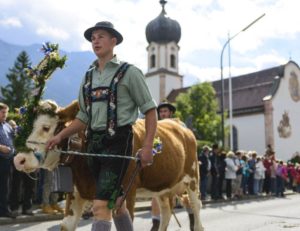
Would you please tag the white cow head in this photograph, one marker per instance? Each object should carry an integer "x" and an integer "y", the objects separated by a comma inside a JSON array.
[{"x": 44, "y": 127}]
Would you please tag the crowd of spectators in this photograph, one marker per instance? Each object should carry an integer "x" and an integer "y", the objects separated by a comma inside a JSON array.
[{"x": 228, "y": 175}]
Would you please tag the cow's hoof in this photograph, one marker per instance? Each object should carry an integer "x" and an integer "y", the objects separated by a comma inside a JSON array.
[{"x": 155, "y": 225}]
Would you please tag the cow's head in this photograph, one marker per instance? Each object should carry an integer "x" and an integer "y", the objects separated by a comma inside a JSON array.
[{"x": 45, "y": 126}]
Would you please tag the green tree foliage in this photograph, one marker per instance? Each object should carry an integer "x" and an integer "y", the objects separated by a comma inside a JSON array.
[
  {"x": 19, "y": 87},
  {"x": 198, "y": 108}
]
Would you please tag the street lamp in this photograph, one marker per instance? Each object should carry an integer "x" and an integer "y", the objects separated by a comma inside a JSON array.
[{"x": 222, "y": 80}]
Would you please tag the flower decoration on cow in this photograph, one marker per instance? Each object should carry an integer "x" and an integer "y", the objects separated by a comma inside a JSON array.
[
  {"x": 39, "y": 74},
  {"x": 157, "y": 146}
]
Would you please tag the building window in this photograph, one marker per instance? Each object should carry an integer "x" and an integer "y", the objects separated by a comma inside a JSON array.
[
  {"x": 152, "y": 61},
  {"x": 173, "y": 61}
]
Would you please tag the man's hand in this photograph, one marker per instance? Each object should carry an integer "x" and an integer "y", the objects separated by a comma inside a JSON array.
[
  {"x": 53, "y": 142},
  {"x": 75, "y": 127},
  {"x": 5, "y": 149},
  {"x": 146, "y": 156}
]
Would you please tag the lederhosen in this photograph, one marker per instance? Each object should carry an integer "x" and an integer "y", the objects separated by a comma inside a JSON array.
[{"x": 108, "y": 172}]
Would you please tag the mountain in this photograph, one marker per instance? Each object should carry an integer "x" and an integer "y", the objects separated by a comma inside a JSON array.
[{"x": 64, "y": 84}]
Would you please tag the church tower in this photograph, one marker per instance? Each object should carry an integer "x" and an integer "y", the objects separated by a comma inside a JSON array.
[{"x": 163, "y": 35}]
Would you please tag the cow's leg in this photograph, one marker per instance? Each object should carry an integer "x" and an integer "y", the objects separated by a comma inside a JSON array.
[
  {"x": 70, "y": 221},
  {"x": 68, "y": 204},
  {"x": 165, "y": 212},
  {"x": 195, "y": 205}
]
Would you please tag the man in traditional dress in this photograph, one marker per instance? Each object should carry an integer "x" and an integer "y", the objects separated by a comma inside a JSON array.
[{"x": 110, "y": 96}]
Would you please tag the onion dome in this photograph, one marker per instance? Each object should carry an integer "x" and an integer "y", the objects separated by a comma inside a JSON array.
[{"x": 163, "y": 29}]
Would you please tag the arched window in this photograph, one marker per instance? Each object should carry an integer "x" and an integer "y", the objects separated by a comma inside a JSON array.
[
  {"x": 173, "y": 61},
  {"x": 152, "y": 61}
]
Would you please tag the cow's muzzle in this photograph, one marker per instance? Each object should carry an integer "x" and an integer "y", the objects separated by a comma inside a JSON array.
[{"x": 26, "y": 162}]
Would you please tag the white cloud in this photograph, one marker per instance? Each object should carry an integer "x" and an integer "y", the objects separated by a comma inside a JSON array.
[
  {"x": 205, "y": 25},
  {"x": 11, "y": 22},
  {"x": 271, "y": 59},
  {"x": 202, "y": 74},
  {"x": 7, "y": 2},
  {"x": 52, "y": 32}
]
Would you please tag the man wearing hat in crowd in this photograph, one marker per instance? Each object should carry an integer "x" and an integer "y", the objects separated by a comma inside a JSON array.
[
  {"x": 166, "y": 110},
  {"x": 109, "y": 98}
]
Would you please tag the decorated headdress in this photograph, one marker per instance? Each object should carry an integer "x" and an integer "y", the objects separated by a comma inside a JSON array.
[{"x": 39, "y": 74}]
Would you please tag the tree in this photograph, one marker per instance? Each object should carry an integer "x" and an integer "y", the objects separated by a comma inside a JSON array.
[
  {"x": 20, "y": 86},
  {"x": 198, "y": 108}
]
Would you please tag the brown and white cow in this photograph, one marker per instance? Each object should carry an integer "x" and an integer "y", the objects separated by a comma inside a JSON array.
[{"x": 174, "y": 171}]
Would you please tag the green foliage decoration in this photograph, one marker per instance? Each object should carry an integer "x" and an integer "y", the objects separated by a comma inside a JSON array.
[{"x": 39, "y": 74}]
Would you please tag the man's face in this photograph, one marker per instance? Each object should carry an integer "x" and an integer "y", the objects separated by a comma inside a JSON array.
[
  {"x": 165, "y": 112},
  {"x": 103, "y": 43},
  {"x": 3, "y": 114},
  {"x": 215, "y": 150},
  {"x": 206, "y": 151}
]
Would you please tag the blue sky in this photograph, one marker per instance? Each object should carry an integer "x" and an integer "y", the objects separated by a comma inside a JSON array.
[{"x": 205, "y": 24}]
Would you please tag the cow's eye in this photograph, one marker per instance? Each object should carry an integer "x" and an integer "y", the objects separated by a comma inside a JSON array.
[{"x": 46, "y": 128}]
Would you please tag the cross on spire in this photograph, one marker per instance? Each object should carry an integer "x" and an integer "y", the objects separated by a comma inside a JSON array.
[{"x": 163, "y": 3}]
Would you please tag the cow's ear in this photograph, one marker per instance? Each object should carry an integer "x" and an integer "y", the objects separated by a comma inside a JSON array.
[{"x": 69, "y": 112}]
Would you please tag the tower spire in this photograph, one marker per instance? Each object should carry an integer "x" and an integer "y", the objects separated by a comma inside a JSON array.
[
  {"x": 163, "y": 35},
  {"x": 163, "y": 3}
]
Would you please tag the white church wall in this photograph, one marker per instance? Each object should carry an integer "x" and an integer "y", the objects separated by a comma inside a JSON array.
[
  {"x": 154, "y": 87},
  {"x": 286, "y": 138},
  {"x": 162, "y": 58},
  {"x": 172, "y": 82},
  {"x": 251, "y": 132}
]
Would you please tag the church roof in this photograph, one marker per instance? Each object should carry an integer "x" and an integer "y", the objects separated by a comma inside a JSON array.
[
  {"x": 163, "y": 29},
  {"x": 248, "y": 90}
]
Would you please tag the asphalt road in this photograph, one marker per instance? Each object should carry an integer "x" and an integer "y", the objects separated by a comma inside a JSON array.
[{"x": 268, "y": 214}]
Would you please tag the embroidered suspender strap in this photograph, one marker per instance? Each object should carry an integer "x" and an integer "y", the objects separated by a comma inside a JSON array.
[
  {"x": 112, "y": 100},
  {"x": 87, "y": 89},
  {"x": 99, "y": 94}
]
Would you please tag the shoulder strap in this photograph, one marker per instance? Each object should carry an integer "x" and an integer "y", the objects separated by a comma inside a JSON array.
[
  {"x": 87, "y": 89},
  {"x": 112, "y": 100}
]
